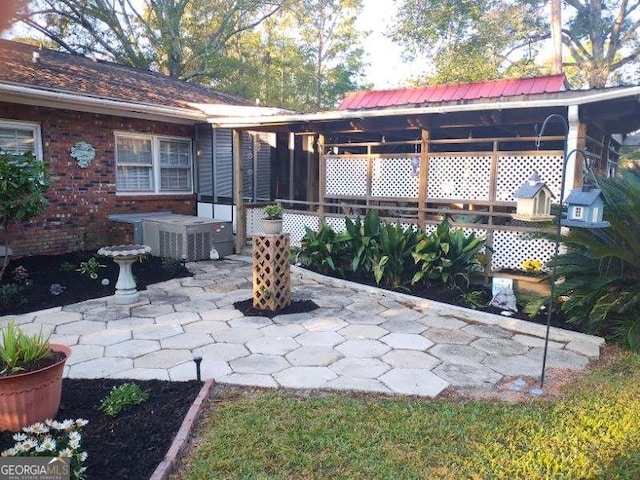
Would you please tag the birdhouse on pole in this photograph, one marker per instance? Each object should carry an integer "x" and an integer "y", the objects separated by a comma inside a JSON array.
[{"x": 533, "y": 200}]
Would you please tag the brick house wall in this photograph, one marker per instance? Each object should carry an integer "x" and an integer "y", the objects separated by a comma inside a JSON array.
[{"x": 80, "y": 199}]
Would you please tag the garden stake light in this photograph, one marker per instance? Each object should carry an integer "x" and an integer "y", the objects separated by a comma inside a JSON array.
[
  {"x": 558, "y": 231},
  {"x": 197, "y": 359}
]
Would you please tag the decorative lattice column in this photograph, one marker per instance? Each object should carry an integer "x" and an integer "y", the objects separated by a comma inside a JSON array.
[{"x": 271, "y": 273}]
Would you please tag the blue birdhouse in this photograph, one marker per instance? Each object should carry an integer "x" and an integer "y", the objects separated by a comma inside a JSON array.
[
  {"x": 533, "y": 200},
  {"x": 584, "y": 208}
]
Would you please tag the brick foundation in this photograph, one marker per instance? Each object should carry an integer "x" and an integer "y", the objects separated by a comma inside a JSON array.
[{"x": 80, "y": 199}]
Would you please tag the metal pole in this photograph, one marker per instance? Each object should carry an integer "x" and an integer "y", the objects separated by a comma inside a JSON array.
[{"x": 557, "y": 239}]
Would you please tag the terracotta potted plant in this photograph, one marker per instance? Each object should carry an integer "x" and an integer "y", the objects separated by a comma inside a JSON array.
[
  {"x": 272, "y": 223},
  {"x": 30, "y": 377}
]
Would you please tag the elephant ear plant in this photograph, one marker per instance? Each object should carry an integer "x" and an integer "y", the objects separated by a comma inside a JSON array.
[{"x": 24, "y": 180}]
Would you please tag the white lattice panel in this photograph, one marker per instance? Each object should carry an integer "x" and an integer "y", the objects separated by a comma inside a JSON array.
[
  {"x": 510, "y": 249},
  {"x": 459, "y": 176},
  {"x": 294, "y": 224},
  {"x": 337, "y": 224},
  {"x": 394, "y": 177},
  {"x": 254, "y": 221},
  {"x": 514, "y": 170},
  {"x": 346, "y": 176}
]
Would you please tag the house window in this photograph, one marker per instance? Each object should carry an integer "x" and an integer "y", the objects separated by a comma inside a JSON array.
[
  {"x": 20, "y": 137},
  {"x": 578, "y": 213},
  {"x": 153, "y": 164}
]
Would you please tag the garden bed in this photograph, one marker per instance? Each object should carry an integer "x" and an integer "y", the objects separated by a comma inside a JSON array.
[
  {"x": 36, "y": 275},
  {"x": 133, "y": 443},
  {"x": 455, "y": 296}
]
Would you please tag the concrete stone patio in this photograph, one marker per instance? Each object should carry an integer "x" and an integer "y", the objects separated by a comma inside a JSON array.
[{"x": 361, "y": 338}]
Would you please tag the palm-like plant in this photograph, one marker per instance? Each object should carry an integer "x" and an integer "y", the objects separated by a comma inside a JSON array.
[
  {"x": 394, "y": 263},
  {"x": 601, "y": 268}
]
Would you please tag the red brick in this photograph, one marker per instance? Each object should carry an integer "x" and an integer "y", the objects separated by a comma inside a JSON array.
[{"x": 80, "y": 199}]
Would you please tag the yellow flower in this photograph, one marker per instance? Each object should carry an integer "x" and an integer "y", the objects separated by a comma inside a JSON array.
[{"x": 532, "y": 266}]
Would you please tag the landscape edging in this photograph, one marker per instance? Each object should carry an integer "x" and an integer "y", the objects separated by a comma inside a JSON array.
[{"x": 168, "y": 464}]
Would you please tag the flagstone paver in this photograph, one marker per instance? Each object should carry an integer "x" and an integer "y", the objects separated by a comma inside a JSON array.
[
  {"x": 305, "y": 377},
  {"x": 363, "y": 348},
  {"x": 320, "y": 339},
  {"x": 407, "y": 341},
  {"x": 313, "y": 356},
  {"x": 360, "y": 339},
  {"x": 414, "y": 381},
  {"x": 410, "y": 359}
]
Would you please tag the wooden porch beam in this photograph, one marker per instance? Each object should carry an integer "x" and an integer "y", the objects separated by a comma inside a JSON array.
[{"x": 238, "y": 194}]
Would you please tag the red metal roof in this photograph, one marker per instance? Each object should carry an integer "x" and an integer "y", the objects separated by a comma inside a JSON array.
[{"x": 453, "y": 92}]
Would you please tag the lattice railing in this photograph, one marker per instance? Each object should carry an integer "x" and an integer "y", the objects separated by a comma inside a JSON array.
[
  {"x": 395, "y": 177},
  {"x": 513, "y": 170},
  {"x": 464, "y": 176}
]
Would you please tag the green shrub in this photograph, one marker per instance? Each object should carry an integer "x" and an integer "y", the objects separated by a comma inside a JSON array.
[
  {"x": 67, "y": 267},
  {"x": 273, "y": 211},
  {"x": 122, "y": 397},
  {"x": 601, "y": 267},
  {"x": 322, "y": 251},
  {"x": 23, "y": 182},
  {"x": 11, "y": 294},
  {"x": 394, "y": 264},
  {"x": 447, "y": 256},
  {"x": 19, "y": 349},
  {"x": 90, "y": 268}
]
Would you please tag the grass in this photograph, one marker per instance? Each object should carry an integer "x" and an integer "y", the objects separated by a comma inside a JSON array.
[{"x": 592, "y": 432}]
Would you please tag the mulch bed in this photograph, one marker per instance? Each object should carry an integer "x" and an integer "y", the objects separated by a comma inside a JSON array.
[
  {"x": 454, "y": 297},
  {"x": 296, "y": 306},
  {"x": 45, "y": 270},
  {"x": 132, "y": 444}
]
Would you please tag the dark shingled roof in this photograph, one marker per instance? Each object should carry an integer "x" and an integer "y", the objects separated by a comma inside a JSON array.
[
  {"x": 79, "y": 75},
  {"x": 580, "y": 197}
]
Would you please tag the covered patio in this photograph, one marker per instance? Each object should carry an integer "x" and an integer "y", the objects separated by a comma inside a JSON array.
[{"x": 416, "y": 155}]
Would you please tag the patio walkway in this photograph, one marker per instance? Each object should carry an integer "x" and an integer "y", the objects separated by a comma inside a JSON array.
[{"x": 361, "y": 338}]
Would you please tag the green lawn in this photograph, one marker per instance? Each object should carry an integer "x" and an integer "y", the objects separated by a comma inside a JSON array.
[{"x": 592, "y": 433}]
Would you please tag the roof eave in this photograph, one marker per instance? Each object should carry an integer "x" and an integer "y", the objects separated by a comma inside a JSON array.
[
  {"x": 57, "y": 99},
  {"x": 561, "y": 99}
]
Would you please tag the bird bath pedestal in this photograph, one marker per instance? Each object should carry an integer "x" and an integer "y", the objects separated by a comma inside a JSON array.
[{"x": 125, "y": 256}]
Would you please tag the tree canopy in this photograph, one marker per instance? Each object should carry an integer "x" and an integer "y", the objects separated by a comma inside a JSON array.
[
  {"x": 472, "y": 40},
  {"x": 301, "y": 54}
]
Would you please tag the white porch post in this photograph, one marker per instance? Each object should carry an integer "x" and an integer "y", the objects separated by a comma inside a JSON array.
[{"x": 573, "y": 140}]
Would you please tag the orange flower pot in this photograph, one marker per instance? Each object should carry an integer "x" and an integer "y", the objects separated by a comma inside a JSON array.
[{"x": 32, "y": 397}]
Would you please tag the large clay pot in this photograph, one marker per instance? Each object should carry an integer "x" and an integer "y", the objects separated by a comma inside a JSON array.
[{"x": 32, "y": 397}]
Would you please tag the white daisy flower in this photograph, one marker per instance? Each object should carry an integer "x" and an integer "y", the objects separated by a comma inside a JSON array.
[
  {"x": 11, "y": 452},
  {"x": 19, "y": 437},
  {"x": 31, "y": 443},
  {"x": 65, "y": 453},
  {"x": 74, "y": 444},
  {"x": 83, "y": 456},
  {"x": 81, "y": 422},
  {"x": 49, "y": 444},
  {"x": 38, "y": 428},
  {"x": 67, "y": 424},
  {"x": 75, "y": 436}
]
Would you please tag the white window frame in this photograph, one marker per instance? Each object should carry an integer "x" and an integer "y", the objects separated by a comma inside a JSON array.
[
  {"x": 578, "y": 212},
  {"x": 35, "y": 129},
  {"x": 155, "y": 162}
]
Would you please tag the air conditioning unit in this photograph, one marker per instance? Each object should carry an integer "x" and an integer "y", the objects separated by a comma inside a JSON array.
[{"x": 187, "y": 238}]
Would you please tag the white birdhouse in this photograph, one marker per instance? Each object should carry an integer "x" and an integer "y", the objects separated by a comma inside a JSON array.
[{"x": 533, "y": 200}]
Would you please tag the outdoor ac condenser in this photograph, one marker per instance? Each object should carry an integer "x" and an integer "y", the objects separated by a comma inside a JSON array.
[{"x": 187, "y": 238}]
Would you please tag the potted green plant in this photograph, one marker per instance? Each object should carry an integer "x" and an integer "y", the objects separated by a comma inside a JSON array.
[
  {"x": 30, "y": 377},
  {"x": 272, "y": 222}
]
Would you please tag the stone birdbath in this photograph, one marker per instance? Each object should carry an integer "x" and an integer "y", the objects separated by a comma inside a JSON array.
[{"x": 125, "y": 256}]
